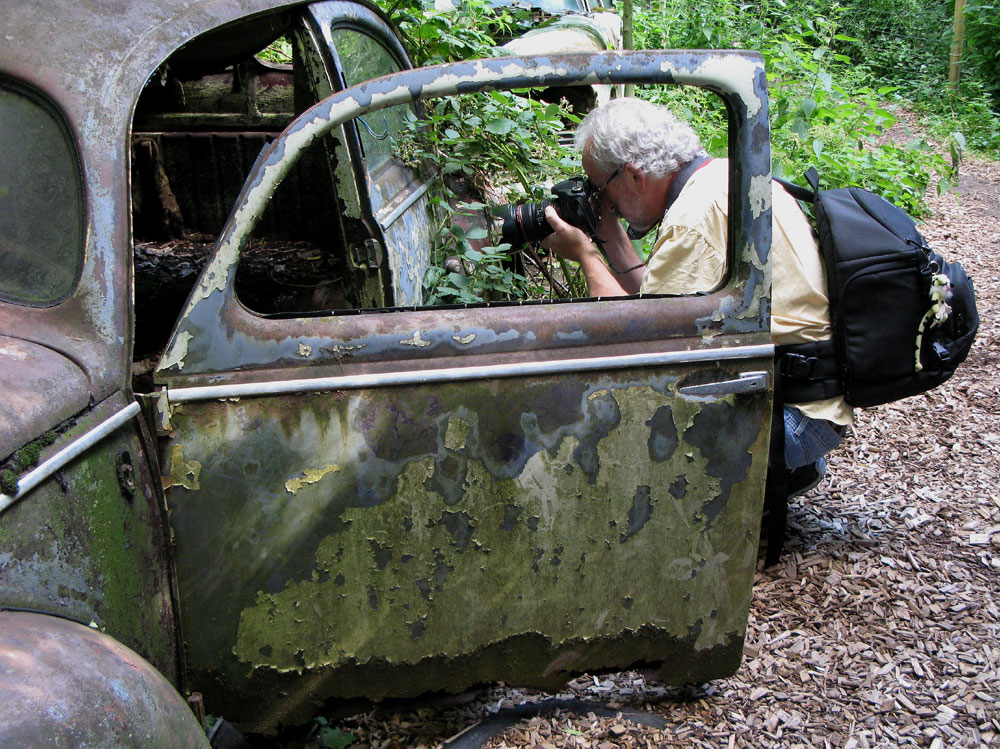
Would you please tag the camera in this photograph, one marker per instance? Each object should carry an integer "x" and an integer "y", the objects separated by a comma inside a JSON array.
[{"x": 526, "y": 222}]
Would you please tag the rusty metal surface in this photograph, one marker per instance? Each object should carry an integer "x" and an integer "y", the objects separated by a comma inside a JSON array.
[
  {"x": 394, "y": 540},
  {"x": 91, "y": 542},
  {"x": 92, "y": 60},
  {"x": 40, "y": 390},
  {"x": 389, "y": 542},
  {"x": 65, "y": 684},
  {"x": 246, "y": 342}
]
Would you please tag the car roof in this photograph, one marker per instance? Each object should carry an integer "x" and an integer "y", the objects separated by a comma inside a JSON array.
[{"x": 99, "y": 54}]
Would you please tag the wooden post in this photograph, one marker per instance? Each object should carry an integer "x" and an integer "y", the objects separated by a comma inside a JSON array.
[
  {"x": 957, "y": 46},
  {"x": 627, "y": 37}
]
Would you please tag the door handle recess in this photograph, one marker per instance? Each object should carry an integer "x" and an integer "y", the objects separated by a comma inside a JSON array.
[{"x": 748, "y": 382}]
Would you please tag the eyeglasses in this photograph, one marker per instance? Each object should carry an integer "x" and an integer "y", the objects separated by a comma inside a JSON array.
[{"x": 597, "y": 193}]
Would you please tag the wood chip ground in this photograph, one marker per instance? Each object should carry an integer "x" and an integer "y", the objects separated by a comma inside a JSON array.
[{"x": 880, "y": 627}]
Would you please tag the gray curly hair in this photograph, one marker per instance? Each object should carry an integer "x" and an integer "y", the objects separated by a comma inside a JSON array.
[{"x": 635, "y": 131}]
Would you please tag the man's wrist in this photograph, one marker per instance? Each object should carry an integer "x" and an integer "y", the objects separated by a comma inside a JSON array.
[{"x": 624, "y": 271}]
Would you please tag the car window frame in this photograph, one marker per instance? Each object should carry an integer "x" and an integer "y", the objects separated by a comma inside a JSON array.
[{"x": 201, "y": 348}]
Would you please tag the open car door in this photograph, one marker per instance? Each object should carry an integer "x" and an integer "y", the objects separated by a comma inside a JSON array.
[{"x": 388, "y": 502}]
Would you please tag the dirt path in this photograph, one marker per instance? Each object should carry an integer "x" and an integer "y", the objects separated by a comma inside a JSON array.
[{"x": 881, "y": 625}]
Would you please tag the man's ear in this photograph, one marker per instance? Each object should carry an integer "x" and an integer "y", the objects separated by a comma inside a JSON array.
[{"x": 636, "y": 175}]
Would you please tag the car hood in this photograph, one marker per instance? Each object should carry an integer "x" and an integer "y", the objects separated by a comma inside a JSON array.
[{"x": 41, "y": 389}]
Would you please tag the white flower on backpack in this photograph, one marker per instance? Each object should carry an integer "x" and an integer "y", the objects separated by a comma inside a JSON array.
[{"x": 940, "y": 310}]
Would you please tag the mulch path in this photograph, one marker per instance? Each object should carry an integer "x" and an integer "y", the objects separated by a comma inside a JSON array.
[{"x": 880, "y": 627}]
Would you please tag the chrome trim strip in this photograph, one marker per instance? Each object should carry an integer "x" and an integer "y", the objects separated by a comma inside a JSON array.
[
  {"x": 75, "y": 448},
  {"x": 457, "y": 374},
  {"x": 400, "y": 209}
]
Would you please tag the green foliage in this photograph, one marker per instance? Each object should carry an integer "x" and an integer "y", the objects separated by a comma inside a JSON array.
[
  {"x": 331, "y": 737},
  {"x": 280, "y": 51},
  {"x": 471, "y": 30},
  {"x": 982, "y": 53},
  {"x": 970, "y": 110},
  {"x": 481, "y": 136},
  {"x": 491, "y": 275},
  {"x": 816, "y": 120},
  {"x": 824, "y": 110},
  {"x": 484, "y": 142}
]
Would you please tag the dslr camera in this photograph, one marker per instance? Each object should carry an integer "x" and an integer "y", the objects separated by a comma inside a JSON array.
[{"x": 525, "y": 222}]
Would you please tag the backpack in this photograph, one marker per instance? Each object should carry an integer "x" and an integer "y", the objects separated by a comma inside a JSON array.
[{"x": 903, "y": 317}]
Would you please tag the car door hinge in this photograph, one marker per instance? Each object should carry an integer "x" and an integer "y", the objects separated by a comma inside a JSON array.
[{"x": 367, "y": 253}]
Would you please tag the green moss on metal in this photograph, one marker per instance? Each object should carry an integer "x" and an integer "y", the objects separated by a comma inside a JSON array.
[
  {"x": 23, "y": 460},
  {"x": 8, "y": 481},
  {"x": 78, "y": 546},
  {"x": 409, "y": 578},
  {"x": 116, "y": 543}
]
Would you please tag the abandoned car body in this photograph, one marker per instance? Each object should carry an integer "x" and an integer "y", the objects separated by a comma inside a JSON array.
[{"x": 315, "y": 503}]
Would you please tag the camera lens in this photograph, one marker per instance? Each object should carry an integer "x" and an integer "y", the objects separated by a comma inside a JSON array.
[{"x": 524, "y": 222}]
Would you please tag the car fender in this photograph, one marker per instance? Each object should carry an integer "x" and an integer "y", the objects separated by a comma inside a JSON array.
[{"x": 66, "y": 684}]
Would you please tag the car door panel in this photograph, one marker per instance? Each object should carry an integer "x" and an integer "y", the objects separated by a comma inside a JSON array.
[
  {"x": 361, "y": 46},
  {"x": 390, "y": 502}
]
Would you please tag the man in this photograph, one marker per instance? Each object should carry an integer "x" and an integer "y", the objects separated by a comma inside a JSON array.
[{"x": 649, "y": 168}]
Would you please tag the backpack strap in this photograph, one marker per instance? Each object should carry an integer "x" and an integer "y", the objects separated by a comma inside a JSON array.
[
  {"x": 808, "y": 371},
  {"x": 805, "y": 194}
]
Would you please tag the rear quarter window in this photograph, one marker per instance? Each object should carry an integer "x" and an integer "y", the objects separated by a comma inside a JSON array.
[{"x": 42, "y": 226}]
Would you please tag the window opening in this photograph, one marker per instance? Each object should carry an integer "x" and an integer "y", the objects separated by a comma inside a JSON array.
[
  {"x": 42, "y": 213},
  {"x": 199, "y": 126}
]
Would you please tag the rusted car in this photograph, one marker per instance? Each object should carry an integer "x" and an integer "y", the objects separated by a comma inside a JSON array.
[{"x": 322, "y": 489}]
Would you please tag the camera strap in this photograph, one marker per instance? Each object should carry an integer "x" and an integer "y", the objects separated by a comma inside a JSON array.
[{"x": 682, "y": 175}]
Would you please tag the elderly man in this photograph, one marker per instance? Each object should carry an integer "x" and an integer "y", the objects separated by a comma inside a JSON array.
[{"x": 649, "y": 169}]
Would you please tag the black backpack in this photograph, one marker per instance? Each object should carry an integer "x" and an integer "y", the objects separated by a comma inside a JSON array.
[{"x": 903, "y": 317}]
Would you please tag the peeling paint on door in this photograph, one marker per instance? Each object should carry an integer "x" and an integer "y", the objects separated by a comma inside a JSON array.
[{"x": 444, "y": 523}]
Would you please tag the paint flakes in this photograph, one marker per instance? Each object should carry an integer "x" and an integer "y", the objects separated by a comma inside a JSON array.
[
  {"x": 305, "y": 351},
  {"x": 465, "y": 340},
  {"x": 416, "y": 340},
  {"x": 309, "y": 476},
  {"x": 340, "y": 352},
  {"x": 175, "y": 356},
  {"x": 760, "y": 193},
  {"x": 457, "y": 433},
  {"x": 182, "y": 473}
]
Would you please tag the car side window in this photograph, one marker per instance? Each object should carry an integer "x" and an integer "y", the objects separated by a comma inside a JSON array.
[
  {"x": 362, "y": 57},
  {"x": 42, "y": 219}
]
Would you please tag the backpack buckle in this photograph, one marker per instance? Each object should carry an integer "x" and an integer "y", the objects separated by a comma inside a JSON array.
[{"x": 798, "y": 366}]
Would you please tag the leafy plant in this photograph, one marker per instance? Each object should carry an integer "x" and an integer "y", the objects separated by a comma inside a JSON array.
[
  {"x": 983, "y": 46},
  {"x": 823, "y": 112},
  {"x": 499, "y": 144},
  {"x": 471, "y": 30},
  {"x": 331, "y": 737},
  {"x": 280, "y": 51}
]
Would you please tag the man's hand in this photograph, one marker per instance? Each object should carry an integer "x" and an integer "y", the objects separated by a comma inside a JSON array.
[
  {"x": 569, "y": 242},
  {"x": 566, "y": 240}
]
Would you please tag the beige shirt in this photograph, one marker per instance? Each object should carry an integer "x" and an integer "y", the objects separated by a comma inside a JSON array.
[{"x": 690, "y": 256}]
